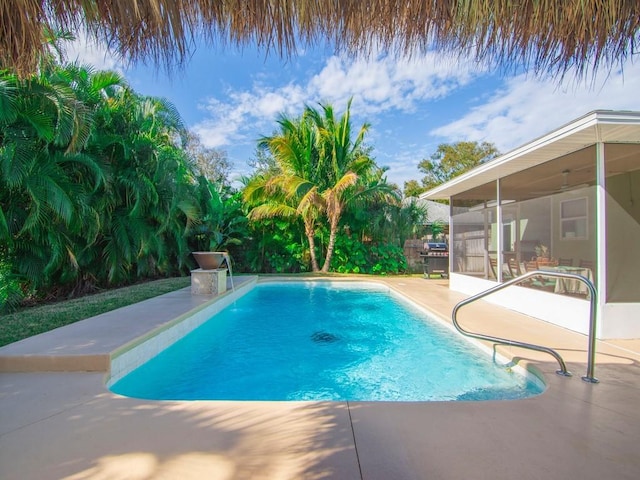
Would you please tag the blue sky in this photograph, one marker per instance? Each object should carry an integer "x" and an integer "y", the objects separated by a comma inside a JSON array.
[{"x": 231, "y": 97}]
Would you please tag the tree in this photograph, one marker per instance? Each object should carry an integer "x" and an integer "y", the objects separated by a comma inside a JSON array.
[
  {"x": 291, "y": 190},
  {"x": 321, "y": 169},
  {"x": 95, "y": 188},
  {"x": 212, "y": 163},
  {"x": 139, "y": 140},
  {"x": 451, "y": 160},
  {"x": 263, "y": 162},
  {"x": 349, "y": 173},
  {"x": 412, "y": 188},
  {"x": 222, "y": 223},
  {"x": 46, "y": 177}
]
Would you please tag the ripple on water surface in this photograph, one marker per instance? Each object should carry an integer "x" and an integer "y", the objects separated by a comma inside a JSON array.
[{"x": 323, "y": 341}]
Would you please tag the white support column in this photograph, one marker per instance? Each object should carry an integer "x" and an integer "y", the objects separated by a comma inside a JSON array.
[
  {"x": 499, "y": 235},
  {"x": 485, "y": 216},
  {"x": 601, "y": 233},
  {"x": 451, "y": 240}
]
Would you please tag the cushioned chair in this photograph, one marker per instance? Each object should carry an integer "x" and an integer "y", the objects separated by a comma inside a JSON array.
[
  {"x": 543, "y": 283},
  {"x": 565, "y": 262}
]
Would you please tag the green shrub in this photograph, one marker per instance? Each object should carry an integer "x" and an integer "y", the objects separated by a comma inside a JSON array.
[
  {"x": 10, "y": 292},
  {"x": 387, "y": 258},
  {"x": 349, "y": 255},
  {"x": 353, "y": 256},
  {"x": 273, "y": 247}
]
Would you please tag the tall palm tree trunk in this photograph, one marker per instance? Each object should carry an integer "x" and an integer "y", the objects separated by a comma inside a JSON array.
[
  {"x": 310, "y": 233},
  {"x": 312, "y": 251},
  {"x": 332, "y": 243}
]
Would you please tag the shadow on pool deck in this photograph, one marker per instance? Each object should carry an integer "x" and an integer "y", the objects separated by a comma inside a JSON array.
[{"x": 67, "y": 425}]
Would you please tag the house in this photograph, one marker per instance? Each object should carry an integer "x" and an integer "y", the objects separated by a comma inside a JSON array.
[{"x": 567, "y": 201}]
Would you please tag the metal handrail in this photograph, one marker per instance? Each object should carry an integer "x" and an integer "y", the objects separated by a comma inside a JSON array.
[{"x": 538, "y": 273}]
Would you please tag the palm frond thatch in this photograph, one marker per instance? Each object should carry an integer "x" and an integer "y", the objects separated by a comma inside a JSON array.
[{"x": 544, "y": 35}]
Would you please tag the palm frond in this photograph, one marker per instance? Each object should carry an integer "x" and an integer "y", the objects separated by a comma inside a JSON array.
[
  {"x": 8, "y": 98},
  {"x": 266, "y": 210},
  {"x": 5, "y": 236}
]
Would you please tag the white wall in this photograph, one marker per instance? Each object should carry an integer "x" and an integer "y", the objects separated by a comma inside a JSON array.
[{"x": 614, "y": 320}]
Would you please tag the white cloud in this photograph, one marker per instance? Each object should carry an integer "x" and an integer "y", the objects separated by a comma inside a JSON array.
[
  {"x": 377, "y": 85},
  {"x": 526, "y": 108},
  {"x": 87, "y": 51},
  {"x": 245, "y": 113},
  {"x": 387, "y": 83}
]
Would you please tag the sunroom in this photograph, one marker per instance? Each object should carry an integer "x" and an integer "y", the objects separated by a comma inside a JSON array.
[{"x": 566, "y": 202}]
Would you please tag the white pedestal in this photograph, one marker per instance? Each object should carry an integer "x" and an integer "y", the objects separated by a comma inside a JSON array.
[{"x": 208, "y": 282}]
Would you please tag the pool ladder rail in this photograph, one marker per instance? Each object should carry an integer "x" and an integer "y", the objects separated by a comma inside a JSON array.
[{"x": 589, "y": 377}]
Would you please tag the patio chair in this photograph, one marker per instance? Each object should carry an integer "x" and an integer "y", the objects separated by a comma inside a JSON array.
[
  {"x": 514, "y": 267},
  {"x": 586, "y": 264},
  {"x": 493, "y": 263},
  {"x": 543, "y": 283},
  {"x": 565, "y": 262}
]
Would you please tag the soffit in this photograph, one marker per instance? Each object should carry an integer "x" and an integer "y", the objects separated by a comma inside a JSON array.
[{"x": 604, "y": 126}]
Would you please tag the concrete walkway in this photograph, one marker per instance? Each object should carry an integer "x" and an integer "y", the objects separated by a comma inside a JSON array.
[{"x": 66, "y": 424}]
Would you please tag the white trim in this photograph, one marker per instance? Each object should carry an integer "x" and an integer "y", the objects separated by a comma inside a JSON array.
[
  {"x": 562, "y": 220},
  {"x": 499, "y": 227},
  {"x": 582, "y": 132}
]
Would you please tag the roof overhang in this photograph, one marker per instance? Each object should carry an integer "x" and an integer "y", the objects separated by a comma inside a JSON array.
[{"x": 598, "y": 126}]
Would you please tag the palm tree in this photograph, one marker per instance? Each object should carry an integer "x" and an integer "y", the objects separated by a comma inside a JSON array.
[
  {"x": 45, "y": 177},
  {"x": 292, "y": 192},
  {"x": 349, "y": 172},
  {"x": 138, "y": 140}
]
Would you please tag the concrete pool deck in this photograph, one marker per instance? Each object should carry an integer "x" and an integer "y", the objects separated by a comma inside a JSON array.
[{"x": 66, "y": 424}]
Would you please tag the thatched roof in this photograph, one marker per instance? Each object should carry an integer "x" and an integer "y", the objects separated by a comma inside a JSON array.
[{"x": 545, "y": 35}]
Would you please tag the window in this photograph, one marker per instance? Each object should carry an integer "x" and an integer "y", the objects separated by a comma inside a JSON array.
[{"x": 573, "y": 219}]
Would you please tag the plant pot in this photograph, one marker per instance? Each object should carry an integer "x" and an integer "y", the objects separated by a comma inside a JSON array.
[{"x": 209, "y": 260}]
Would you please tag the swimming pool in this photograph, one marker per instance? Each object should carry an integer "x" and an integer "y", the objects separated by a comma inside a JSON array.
[{"x": 323, "y": 341}]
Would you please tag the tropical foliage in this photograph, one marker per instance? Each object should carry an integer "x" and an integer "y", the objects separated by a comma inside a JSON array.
[
  {"x": 102, "y": 187},
  {"x": 449, "y": 161},
  {"x": 96, "y": 187},
  {"x": 322, "y": 171}
]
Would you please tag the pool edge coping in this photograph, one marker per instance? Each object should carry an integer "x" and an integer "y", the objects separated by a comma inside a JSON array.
[{"x": 520, "y": 366}]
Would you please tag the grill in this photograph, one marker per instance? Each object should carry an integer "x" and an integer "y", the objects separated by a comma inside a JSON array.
[{"x": 436, "y": 259}]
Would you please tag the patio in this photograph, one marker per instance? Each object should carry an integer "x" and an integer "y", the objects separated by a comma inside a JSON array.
[
  {"x": 566, "y": 197},
  {"x": 68, "y": 425}
]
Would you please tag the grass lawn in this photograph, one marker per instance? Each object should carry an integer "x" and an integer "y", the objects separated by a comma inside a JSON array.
[{"x": 34, "y": 320}]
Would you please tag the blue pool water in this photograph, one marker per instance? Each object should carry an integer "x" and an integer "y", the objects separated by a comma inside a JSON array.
[{"x": 323, "y": 341}]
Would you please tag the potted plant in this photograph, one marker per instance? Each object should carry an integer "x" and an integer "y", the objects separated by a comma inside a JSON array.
[
  {"x": 209, "y": 260},
  {"x": 542, "y": 253},
  {"x": 222, "y": 224}
]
